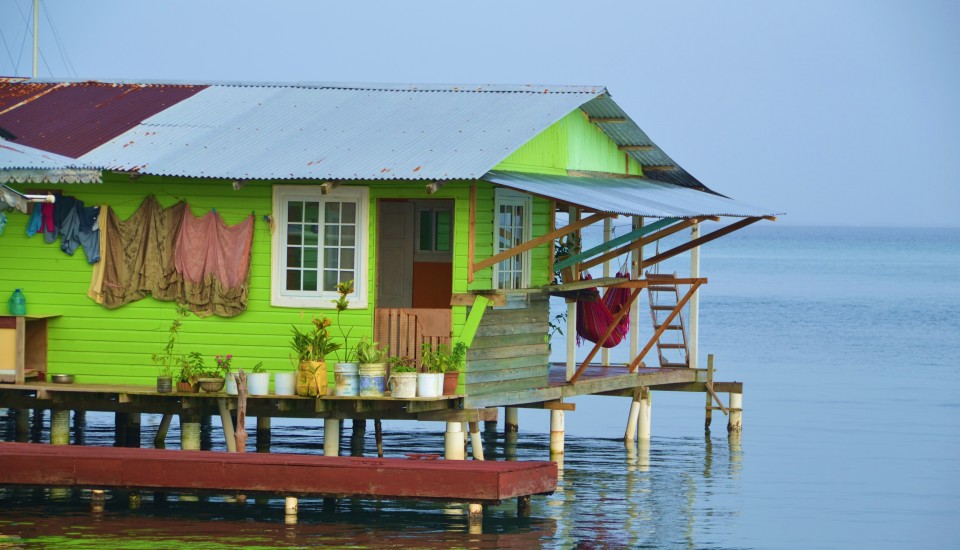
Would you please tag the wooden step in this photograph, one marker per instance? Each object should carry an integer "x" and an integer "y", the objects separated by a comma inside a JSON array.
[
  {"x": 663, "y": 308},
  {"x": 669, "y": 327},
  {"x": 673, "y": 346},
  {"x": 662, "y": 289}
]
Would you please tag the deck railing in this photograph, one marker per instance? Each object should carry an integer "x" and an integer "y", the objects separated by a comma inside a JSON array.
[{"x": 403, "y": 330}]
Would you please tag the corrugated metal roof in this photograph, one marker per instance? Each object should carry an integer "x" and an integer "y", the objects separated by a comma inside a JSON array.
[
  {"x": 22, "y": 164},
  {"x": 73, "y": 118},
  {"x": 629, "y": 133},
  {"x": 375, "y": 133},
  {"x": 627, "y": 196}
]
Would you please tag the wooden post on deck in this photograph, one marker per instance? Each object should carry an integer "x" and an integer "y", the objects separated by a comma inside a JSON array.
[
  {"x": 263, "y": 434},
  {"x": 693, "y": 346},
  {"x": 23, "y": 425},
  {"x": 709, "y": 409},
  {"x": 574, "y": 216},
  {"x": 607, "y": 233}
]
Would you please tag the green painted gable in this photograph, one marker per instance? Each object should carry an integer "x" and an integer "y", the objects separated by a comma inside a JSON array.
[{"x": 572, "y": 143}]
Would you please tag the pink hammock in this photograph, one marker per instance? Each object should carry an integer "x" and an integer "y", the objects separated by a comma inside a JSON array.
[{"x": 593, "y": 318}]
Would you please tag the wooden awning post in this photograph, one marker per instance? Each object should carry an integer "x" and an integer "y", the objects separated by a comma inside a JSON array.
[
  {"x": 472, "y": 233},
  {"x": 692, "y": 344},
  {"x": 607, "y": 231},
  {"x": 636, "y": 272}
]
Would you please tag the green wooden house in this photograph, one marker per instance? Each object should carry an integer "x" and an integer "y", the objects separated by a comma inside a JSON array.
[{"x": 407, "y": 190}]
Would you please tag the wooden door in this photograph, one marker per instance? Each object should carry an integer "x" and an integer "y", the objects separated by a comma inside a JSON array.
[{"x": 395, "y": 254}]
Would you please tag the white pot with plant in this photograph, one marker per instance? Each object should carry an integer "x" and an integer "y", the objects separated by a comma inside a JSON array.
[
  {"x": 403, "y": 377},
  {"x": 373, "y": 368},
  {"x": 346, "y": 372},
  {"x": 258, "y": 381}
]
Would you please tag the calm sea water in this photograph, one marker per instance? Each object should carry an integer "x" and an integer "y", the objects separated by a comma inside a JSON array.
[{"x": 847, "y": 341}]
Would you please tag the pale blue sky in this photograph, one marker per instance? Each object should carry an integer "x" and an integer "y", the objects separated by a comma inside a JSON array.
[{"x": 844, "y": 112}]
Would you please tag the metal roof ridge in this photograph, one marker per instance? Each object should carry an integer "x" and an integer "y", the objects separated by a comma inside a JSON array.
[{"x": 371, "y": 86}]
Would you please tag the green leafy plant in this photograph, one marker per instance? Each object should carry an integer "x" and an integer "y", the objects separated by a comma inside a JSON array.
[
  {"x": 369, "y": 352},
  {"x": 402, "y": 363},
  {"x": 444, "y": 358},
  {"x": 344, "y": 289},
  {"x": 313, "y": 344},
  {"x": 258, "y": 368},
  {"x": 171, "y": 357},
  {"x": 563, "y": 249}
]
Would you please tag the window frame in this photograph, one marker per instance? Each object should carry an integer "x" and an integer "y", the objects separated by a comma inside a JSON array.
[
  {"x": 433, "y": 206},
  {"x": 319, "y": 299},
  {"x": 510, "y": 197}
]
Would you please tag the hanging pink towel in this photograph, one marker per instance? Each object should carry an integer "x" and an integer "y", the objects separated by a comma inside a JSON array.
[{"x": 214, "y": 261}]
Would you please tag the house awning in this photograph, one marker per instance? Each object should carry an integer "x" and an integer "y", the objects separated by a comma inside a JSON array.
[{"x": 627, "y": 196}]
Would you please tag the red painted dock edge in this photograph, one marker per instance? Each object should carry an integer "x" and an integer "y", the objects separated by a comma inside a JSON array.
[{"x": 283, "y": 474}]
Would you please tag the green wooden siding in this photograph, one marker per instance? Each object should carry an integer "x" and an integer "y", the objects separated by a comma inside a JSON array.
[{"x": 572, "y": 143}]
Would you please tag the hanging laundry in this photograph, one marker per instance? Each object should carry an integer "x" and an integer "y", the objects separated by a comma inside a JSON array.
[
  {"x": 214, "y": 262},
  {"x": 139, "y": 256},
  {"x": 33, "y": 224},
  {"x": 96, "y": 279},
  {"x": 80, "y": 228},
  {"x": 46, "y": 218}
]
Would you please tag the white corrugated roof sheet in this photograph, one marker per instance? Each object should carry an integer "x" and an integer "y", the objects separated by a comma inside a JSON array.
[
  {"x": 627, "y": 196},
  {"x": 373, "y": 132},
  {"x": 22, "y": 164}
]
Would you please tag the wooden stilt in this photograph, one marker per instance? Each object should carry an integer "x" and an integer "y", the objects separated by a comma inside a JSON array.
[
  {"x": 119, "y": 429},
  {"x": 263, "y": 434},
  {"x": 511, "y": 423},
  {"x": 79, "y": 427},
  {"x": 227, "y": 422},
  {"x": 240, "y": 434},
  {"x": 523, "y": 506},
  {"x": 132, "y": 431},
  {"x": 160, "y": 440},
  {"x": 23, "y": 425},
  {"x": 134, "y": 500},
  {"x": 378, "y": 435},
  {"x": 709, "y": 409},
  {"x": 490, "y": 425},
  {"x": 97, "y": 499}
]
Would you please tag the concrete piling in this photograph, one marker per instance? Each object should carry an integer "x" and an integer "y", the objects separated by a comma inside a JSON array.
[
  {"x": 476, "y": 443},
  {"x": 453, "y": 441},
  {"x": 735, "y": 420},
  {"x": 511, "y": 421},
  {"x": 643, "y": 418},
  {"x": 189, "y": 432},
  {"x": 59, "y": 427},
  {"x": 331, "y": 437},
  {"x": 556, "y": 436}
]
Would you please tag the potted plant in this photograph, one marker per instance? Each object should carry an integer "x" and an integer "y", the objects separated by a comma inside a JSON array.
[
  {"x": 346, "y": 372},
  {"x": 452, "y": 361},
  {"x": 209, "y": 380},
  {"x": 430, "y": 377},
  {"x": 311, "y": 348},
  {"x": 403, "y": 377},
  {"x": 258, "y": 381},
  {"x": 373, "y": 368},
  {"x": 171, "y": 357},
  {"x": 190, "y": 369}
]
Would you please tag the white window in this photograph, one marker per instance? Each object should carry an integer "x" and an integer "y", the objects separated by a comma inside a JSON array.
[
  {"x": 512, "y": 228},
  {"x": 319, "y": 241}
]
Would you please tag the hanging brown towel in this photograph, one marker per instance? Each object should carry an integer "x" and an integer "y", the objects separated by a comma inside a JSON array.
[
  {"x": 214, "y": 262},
  {"x": 139, "y": 258}
]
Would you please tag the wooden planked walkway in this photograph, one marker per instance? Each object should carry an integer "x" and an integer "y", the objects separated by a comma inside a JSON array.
[{"x": 282, "y": 474}]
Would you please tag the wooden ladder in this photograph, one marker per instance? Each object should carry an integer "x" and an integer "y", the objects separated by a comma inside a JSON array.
[{"x": 663, "y": 295}]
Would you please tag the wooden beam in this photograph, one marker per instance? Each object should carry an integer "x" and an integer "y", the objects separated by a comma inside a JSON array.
[
  {"x": 658, "y": 167},
  {"x": 552, "y": 252},
  {"x": 702, "y": 240},
  {"x": 468, "y": 298},
  {"x": 435, "y": 186},
  {"x": 550, "y": 405},
  {"x": 608, "y": 120},
  {"x": 615, "y": 242},
  {"x": 670, "y": 230},
  {"x": 472, "y": 232},
  {"x": 533, "y": 243},
  {"x": 709, "y": 386},
  {"x": 636, "y": 147},
  {"x": 473, "y": 320},
  {"x": 613, "y": 324},
  {"x": 663, "y": 327},
  {"x": 328, "y": 186}
]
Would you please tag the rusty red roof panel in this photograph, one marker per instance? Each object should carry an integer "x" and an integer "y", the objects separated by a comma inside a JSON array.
[{"x": 72, "y": 119}]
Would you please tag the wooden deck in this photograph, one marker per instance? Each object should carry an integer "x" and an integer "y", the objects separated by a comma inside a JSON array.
[{"x": 281, "y": 474}]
